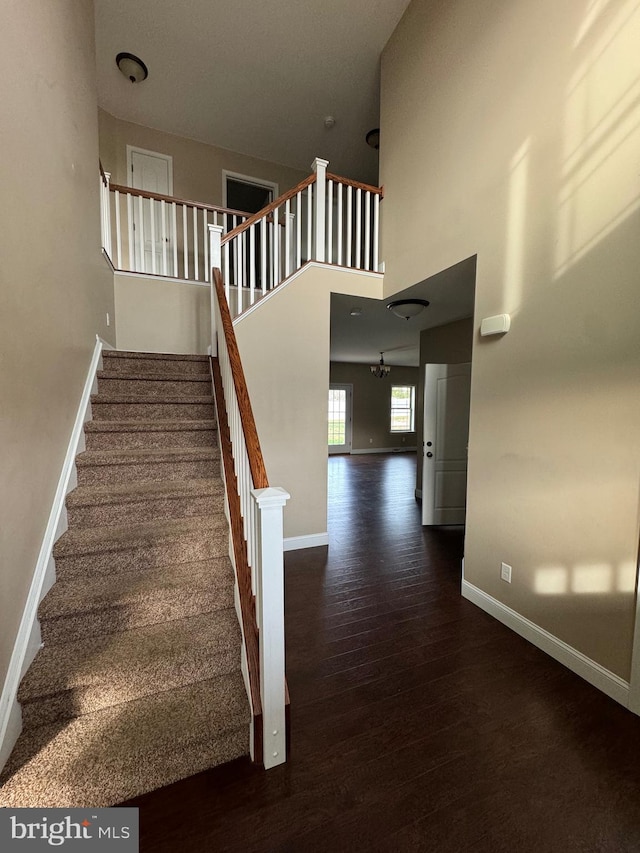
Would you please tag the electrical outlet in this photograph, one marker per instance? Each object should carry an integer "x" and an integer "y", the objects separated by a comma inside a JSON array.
[
  {"x": 370, "y": 441},
  {"x": 505, "y": 572}
]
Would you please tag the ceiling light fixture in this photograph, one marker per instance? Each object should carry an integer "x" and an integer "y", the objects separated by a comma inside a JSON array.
[
  {"x": 132, "y": 67},
  {"x": 380, "y": 370},
  {"x": 407, "y": 308},
  {"x": 373, "y": 138}
]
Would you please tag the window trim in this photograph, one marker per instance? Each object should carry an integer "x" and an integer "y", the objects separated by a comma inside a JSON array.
[{"x": 411, "y": 408}]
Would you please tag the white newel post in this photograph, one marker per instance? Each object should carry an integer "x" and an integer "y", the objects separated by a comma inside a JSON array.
[
  {"x": 320, "y": 213},
  {"x": 270, "y": 614},
  {"x": 105, "y": 198},
  {"x": 215, "y": 261}
]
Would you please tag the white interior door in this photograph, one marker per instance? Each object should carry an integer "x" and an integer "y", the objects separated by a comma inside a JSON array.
[
  {"x": 339, "y": 419},
  {"x": 445, "y": 443},
  {"x": 153, "y": 173}
]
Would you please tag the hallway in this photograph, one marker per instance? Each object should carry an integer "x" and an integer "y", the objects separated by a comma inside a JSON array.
[{"x": 418, "y": 722}]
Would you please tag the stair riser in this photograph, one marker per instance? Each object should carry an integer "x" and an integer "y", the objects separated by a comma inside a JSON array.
[
  {"x": 86, "y": 700},
  {"x": 154, "y": 609},
  {"x": 144, "y": 510},
  {"x": 154, "y": 387},
  {"x": 154, "y": 365},
  {"x": 151, "y": 411},
  {"x": 103, "y": 475},
  {"x": 150, "y": 439},
  {"x": 188, "y": 549}
]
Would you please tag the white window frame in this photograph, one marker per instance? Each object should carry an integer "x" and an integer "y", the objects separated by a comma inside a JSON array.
[
  {"x": 412, "y": 409},
  {"x": 247, "y": 179}
]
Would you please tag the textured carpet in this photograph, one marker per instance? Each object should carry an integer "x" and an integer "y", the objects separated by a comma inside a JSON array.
[{"x": 138, "y": 683}]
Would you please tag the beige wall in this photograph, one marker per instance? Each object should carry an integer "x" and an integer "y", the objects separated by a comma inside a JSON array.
[
  {"x": 153, "y": 315},
  {"x": 372, "y": 404},
  {"x": 514, "y": 130},
  {"x": 55, "y": 287},
  {"x": 197, "y": 167},
  {"x": 448, "y": 344},
  {"x": 284, "y": 347}
]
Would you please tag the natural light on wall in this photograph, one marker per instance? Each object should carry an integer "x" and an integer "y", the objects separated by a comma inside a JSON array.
[
  {"x": 585, "y": 579},
  {"x": 516, "y": 228},
  {"x": 602, "y": 134}
]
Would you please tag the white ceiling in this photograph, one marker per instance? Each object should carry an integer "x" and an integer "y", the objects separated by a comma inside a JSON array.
[
  {"x": 360, "y": 339},
  {"x": 254, "y": 77}
]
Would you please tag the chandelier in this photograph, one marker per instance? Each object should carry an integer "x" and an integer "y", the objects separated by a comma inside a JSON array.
[{"x": 380, "y": 370}]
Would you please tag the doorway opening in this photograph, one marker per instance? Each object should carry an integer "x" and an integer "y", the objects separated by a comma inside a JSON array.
[{"x": 339, "y": 418}]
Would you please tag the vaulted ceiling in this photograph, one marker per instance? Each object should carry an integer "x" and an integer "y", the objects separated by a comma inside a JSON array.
[{"x": 254, "y": 77}]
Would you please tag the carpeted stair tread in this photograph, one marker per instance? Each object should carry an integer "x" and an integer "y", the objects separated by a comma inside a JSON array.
[
  {"x": 108, "y": 603},
  {"x": 125, "y": 493},
  {"x": 149, "y": 425},
  {"x": 155, "y": 455},
  {"x": 153, "y": 356},
  {"x": 153, "y": 376},
  {"x": 114, "y": 538},
  {"x": 74, "y": 678},
  {"x": 106, "y": 757},
  {"x": 138, "y": 399}
]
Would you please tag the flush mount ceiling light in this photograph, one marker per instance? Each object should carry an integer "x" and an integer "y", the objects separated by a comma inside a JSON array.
[
  {"x": 329, "y": 122},
  {"x": 373, "y": 138},
  {"x": 407, "y": 308},
  {"x": 380, "y": 370},
  {"x": 132, "y": 67}
]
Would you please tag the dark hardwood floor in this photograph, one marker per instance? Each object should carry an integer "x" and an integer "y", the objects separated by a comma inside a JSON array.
[{"x": 418, "y": 722}]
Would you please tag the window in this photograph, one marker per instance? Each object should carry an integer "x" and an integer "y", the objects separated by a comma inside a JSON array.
[{"x": 403, "y": 406}]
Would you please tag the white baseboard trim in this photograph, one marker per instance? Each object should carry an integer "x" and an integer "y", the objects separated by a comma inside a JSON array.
[
  {"x": 312, "y": 540},
  {"x": 401, "y": 449},
  {"x": 597, "y": 675},
  {"x": 28, "y": 639}
]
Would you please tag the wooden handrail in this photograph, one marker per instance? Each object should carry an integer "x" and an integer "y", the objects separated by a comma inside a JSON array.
[
  {"x": 357, "y": 184},
  {"x": 175, "y": 200},
  {"x": 256, "y": 217},
  {"x": 254, "y": 452}
]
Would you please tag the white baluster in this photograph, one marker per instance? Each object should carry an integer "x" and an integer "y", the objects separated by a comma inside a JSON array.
[
  {"x": 163, "y": 214},
  {"x": 276, "y": 248},
  {"x": 227, "y": 277},
  {"x": 349, "y": 225},
  {"x": 174, "y": 237},
  {"x": 309, "y": 221},
  {"x": 195, "y": 244},
  {"x": 185, "y": 242},
  {"x": 263, "y": 254},
  {"x": 152, "y": 221},
  {"x": 140, "y": 236},
  {"x": 205, "y": 243},
  {"x": 339, "y": 235},
  {"x": 252, "y": 263},
  {"x": 287, "y": 239},
  {"x": 298, "y": 230},
  {"x": 132, "y": 261},
  {"x": 118, "y": 230},
  {"x": 329, "y": 255},
  {"x": 358, "y": 263},
  {"x": 319, "y": 166},
  {"x": 270, "y": 605},
  {"x": 367, "y": 230}
]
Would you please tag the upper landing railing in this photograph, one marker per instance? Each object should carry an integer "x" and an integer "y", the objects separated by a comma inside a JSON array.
[
  {"x": 325, "y": 218},
  {"x": 159, "y": 234}
]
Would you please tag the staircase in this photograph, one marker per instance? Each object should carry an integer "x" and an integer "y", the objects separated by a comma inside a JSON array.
[{"x": 138, "y": 683}]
